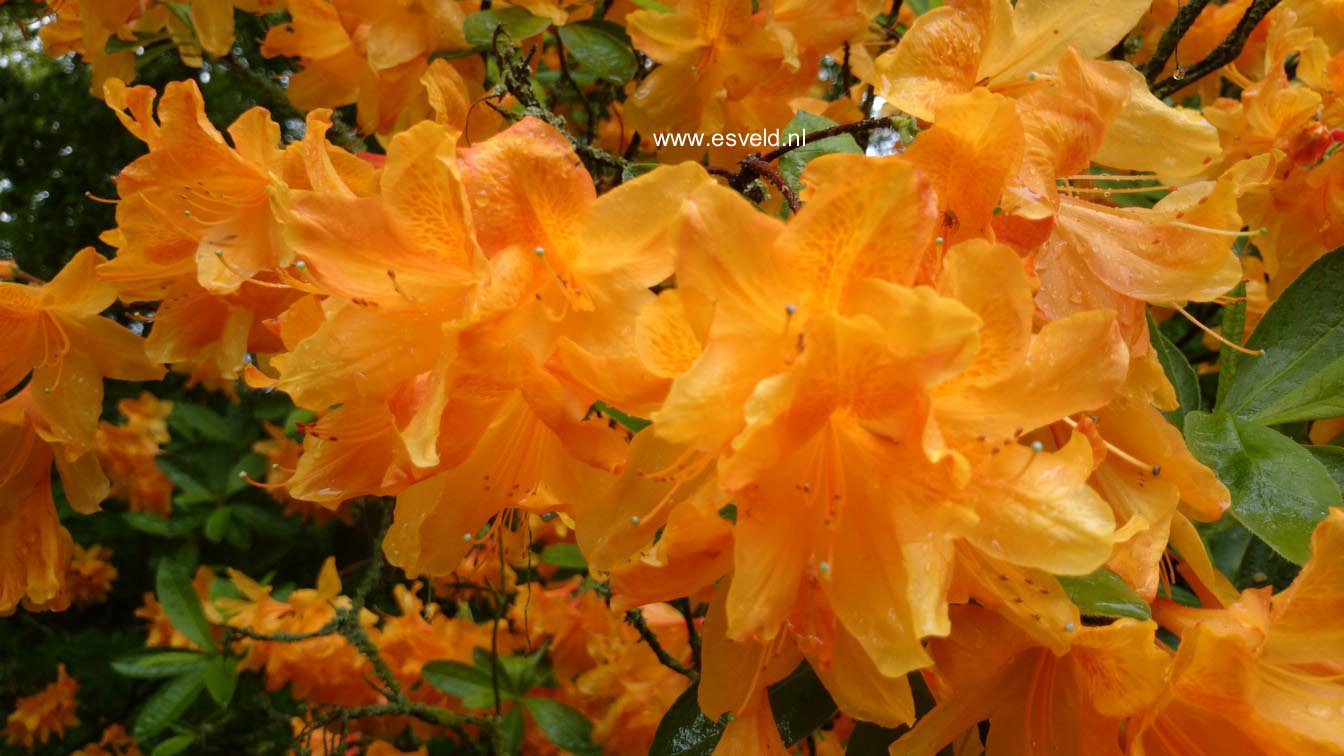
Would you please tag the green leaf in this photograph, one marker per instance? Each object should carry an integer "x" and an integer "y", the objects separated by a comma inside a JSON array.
[
  {"x": 1332, "y": 459},
  {"x": 221, "y": 678},
  {"x": 189, "y": 481},
  {"x": 168, "y": 703},
  {"x": 1226, "y": 541},
  {"x": 792, "y": 163},
  {"x": 801, "y": 704},
  {"x": 267, "y": 522},
  {"x": 458, "y": 679},
  {"x": 512, "y": 727},
  {"x": 563, "y": 725},
  {"x": 602, "y": 48},
  {"x": 1104, "y": 594},
  {"x": 1279, "y": 491},
  {"x": 1182, "y": 376},
  {"x": 479, "y": 27},
  {"x": 652, "y": 5},
  {"x": 168, "y": 527},
  {"x": 173, "y": 746},
  {"x": 685, "y": 730},
  {"x": 1301, "y": 374},
  {"x": 152, "y": 665},
  {"x": 200, "y": 422},
  {"x": 217, "y": 524},
  {"x": 1233, "y": 329},
  {"x": 564, "y": 555},
  {"x": 180, "y": 603}
]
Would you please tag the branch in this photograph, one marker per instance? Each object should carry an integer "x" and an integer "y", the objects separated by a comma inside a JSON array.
[
  {"x": 1226, "y": 52},
  {"x": 517, "y": 79},
  {"x": 756, "y": 166},
  {"x": 771, "y": 174},
  {"x": 636, "y": 619},
  {"x": 568, "y": 76},
  {"x": 1171, "y": 39}
]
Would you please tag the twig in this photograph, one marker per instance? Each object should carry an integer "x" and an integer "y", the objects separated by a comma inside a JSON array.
[
  {"x": 517, "y": 79},
  {"x": 636, "y": 619},
  {"x": 771, "y": 174},
  {"x": 1171, "y": 39},
  {"x": 568, "y": 76},
  {"x": 683, "y": 605},
  {"x": 1226, "y": 52}
]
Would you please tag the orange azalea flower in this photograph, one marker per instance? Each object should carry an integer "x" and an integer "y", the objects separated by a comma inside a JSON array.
[
  {"x": 603, "y": 667},
  {"x": 326, "y": 669},
  {"x": 366, "y": 52},
  {"x": 90, "y": 576},
  {"x": 793, "y": 391},
  {"x": 723, "y": 67},
  {"x": 48, "y": 712},
  {"x": 127, "y": 454},
  {"x": 505, "y": 329},
  {"x": 39, "y": 547},
  {"x": 1037, "y": 701},
  {"x": 1290, "y": 122},
  {"x": 1019, "y": 49},
  {"x": 114, "y": 742},
  {"x": 64, "y": 348},
  {"x": 1264, "y": 670}
]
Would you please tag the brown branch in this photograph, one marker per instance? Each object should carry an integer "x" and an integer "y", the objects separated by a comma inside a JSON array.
[
  {"x": 636, "y": 619},
  {"x": 1226, "y": 52},
  {"x": 1171, "y": 39},
  {"x": 772, "y": 175}
]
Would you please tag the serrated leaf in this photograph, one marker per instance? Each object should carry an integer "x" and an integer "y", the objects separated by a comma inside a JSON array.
[
  {"x": 221, "y": 678},
  {"x": 791, "y": 165},
  {"x": 564, "y": 555},
  {"x": 685, "y": 730},
  {"x": 174, "y": 745},
  {"x": 801, "y": 704},
  {"x": 153, "y": 665},
  {"x": 479, "y": 27},
  {"x": 1104, "y": 594},
  {"x": 1300, "y": 376},
  {"x": 168, "y": 703},
  {"x": 1279, "y": 491},
  {"x": 563, "y": 725},
  {"x": 602, "y": 48},
  {"x": 180, "y": 603},
  {"x": 1179, "y": 372}
]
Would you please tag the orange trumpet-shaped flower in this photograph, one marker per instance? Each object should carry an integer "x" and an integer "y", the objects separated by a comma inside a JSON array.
[
  {"x": 723, "y": 67},
  {"x": 1264, "y": 670},
  {"x": 850, "y": 439},
  {"x": 367, "y": 52},
  {"x": 63, "y": 347},
  {"x": 48, "y": 712},
  {"x": 1017, "y": 49},
  {"x": 1037, "y": 702}
]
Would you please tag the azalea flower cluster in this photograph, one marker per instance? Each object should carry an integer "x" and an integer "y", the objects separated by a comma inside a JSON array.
[
  {"x": 601, "y": 666},
  {"x": 878, "y": 428}
]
